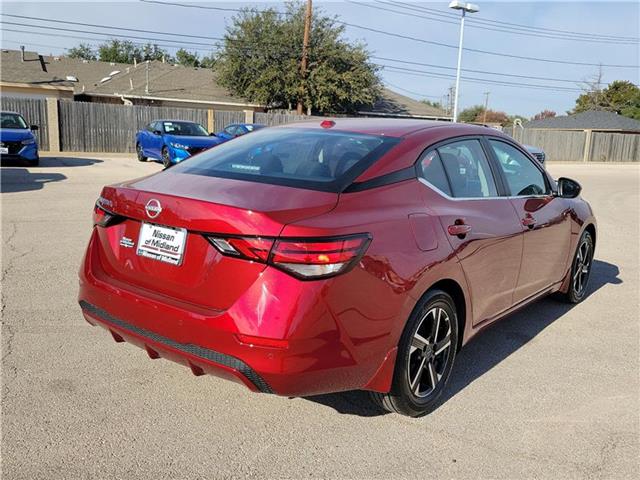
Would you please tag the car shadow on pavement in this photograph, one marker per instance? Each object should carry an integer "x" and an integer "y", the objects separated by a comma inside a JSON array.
[
  {"x": 487, "y": 349},
  {"x": 48, "y": 162},
  {"x": 32, "y": 178},
  {"x": 22, "y": 180}
]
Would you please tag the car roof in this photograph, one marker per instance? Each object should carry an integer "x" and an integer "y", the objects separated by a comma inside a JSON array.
[
  {"x": 9, "y": 111},
  {"x": 173, "y": 120},
  {"x": 392, "y": 127}
]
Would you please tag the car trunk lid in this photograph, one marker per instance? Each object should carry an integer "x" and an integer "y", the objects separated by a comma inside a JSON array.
[{"x": 200, "y": 205}]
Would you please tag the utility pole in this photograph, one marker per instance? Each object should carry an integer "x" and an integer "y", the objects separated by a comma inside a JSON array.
[
  {"x": 146, "y": 88},
  {"x": 305, "y": 55},
  {"x": 486, "y": 106},
  {"x": 450, "y": 99}
]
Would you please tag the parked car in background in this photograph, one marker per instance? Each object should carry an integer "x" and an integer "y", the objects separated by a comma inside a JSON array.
[
  {"x": 237, "y": 130},
  {"x": 17, "y": 141},
  {"x": 537, "y": 153},
  {"x": 339, "y": 255},
  {"x": 172, "y": 141}
]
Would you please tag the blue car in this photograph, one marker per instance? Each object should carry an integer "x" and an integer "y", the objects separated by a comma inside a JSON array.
[
  {"x": 17, "y": 141},
  {"x": 237, "y": 129},
  {"x": 172, "y": 141}
]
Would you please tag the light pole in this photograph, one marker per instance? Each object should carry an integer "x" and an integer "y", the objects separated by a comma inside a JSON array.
[{"x": 464, "y": 8}]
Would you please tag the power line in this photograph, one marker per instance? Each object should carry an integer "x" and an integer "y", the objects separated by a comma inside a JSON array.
[
  {"x": 530, "y": 77},
  {"x": 395, "y": 68},
  {"x": 89, "y": 39},
  {"x": 411, "y": 91},
  {"x": 514, "y": 31},
  {"x": 415, "y": 39},
  {"x": 509, "y": 24},
  {"x": 110, "y": 27},
  {"x": 100, "y": 33},
  {"x": 482, "y": 80},
  {"x": 180, "y": 43}
]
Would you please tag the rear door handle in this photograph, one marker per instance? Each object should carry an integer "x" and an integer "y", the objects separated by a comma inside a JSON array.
[
  {"x": 529, "y": 221},
  {"x": 459, "y": 230}
]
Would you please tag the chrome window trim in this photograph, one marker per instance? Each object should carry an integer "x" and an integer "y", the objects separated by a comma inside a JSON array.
[
  {"x": 440, "y": 192},
  {"x": 499, "y": 197}
]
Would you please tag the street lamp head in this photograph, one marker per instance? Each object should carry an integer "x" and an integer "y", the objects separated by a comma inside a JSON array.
[{"x": 467, "y": 7}]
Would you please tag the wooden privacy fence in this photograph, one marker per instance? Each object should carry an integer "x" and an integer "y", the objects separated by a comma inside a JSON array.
[
  {"x": 101, "y": 127},
  {"x": 34, "y": 111},
  {"x": 223, "y": 118},
  {"x": 271, "y": 119},
  {"x": 571, "y": 145},
  {"x": 615, "y": 147},
  {"x": 559, "y": 145}
]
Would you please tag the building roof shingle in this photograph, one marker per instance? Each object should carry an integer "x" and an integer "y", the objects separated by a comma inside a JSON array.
[
  {"x": 394, "y": 104},
  {"x": 590, "y": 120}
]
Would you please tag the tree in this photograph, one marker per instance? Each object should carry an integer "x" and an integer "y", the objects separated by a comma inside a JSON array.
[
  {"x": 208, "y": 61},
  {"x": 470, "y": 114},
  {"x": 153, "y": 52},
  {"x": 187, "y": 59},
  {"x": 119, "y": 51},
  {"x": 82, "y": 51},
  {"x": 492, "y": 116},
  {"x": 544, "y": 114},
  {"x": 433, "y": 104},
  {"x": 620, "y": 96},
  {"x": 124, "y": 51},
  {"x": 260, "y": 61}
]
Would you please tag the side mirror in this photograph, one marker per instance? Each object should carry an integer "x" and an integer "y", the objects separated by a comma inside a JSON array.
[
  {"x": 33, "y": 128},
  {"x": 157, "y": 132},
  {"x": 568, "y": 188}
]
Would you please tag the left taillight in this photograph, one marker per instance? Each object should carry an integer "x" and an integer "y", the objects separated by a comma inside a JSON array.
[
  {"x": 304, "y": 258},
  {"x": 104, "y": 218}
]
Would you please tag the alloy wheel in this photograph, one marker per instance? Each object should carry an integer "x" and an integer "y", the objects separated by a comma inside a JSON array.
[
  {"x": 429, "y": 352},
  {"x": 583, "y": 266}
]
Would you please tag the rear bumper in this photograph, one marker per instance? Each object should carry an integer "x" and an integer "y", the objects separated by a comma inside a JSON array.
[
  {"x": 329, "y": 347},
  {"x": 200, "y": 360}
]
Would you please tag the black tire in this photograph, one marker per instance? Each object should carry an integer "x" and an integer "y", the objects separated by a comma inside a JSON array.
[
  {"x": 414, "y": 356},
  {"x": 580, "y": 270},
  {"x": 166, "y": 159},
  {"x": 141, "y": 157}
]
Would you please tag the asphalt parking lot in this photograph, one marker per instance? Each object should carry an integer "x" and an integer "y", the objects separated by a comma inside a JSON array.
[{"x": 551, "y": 392}]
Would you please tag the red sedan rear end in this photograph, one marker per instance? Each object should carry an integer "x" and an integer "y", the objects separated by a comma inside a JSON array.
[{"x": 290, "y": 260}]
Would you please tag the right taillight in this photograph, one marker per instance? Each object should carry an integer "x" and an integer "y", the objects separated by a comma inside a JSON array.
[
  {"x": 318, "y": 258},
  {"x": 104, "y": 218},
  {"x": 304, "y": 258}
]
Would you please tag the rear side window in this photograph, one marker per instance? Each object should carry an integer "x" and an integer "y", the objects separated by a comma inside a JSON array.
[
  {"x": 523, "y": 177},
  {"x": 467, "y": 169},
  {"x": 304, "y": 158},
  {"x": 432, "y": 171}
]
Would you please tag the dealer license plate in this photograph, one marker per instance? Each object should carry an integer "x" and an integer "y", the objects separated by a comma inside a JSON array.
[
  {"x": 4, "y": 150},
  {"x": 162, "y": 243}
]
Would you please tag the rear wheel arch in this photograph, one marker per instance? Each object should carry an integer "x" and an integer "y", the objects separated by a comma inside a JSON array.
[{"x": 454, "y": 290}]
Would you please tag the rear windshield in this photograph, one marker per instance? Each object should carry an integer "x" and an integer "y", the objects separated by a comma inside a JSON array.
[{"x": 314, "y": 159}]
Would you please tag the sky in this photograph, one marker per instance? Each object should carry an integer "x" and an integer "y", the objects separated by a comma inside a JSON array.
[{"x": 620, "y": 19}]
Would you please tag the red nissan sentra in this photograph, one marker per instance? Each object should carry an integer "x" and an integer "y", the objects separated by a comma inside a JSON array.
[{"x": 335, "y": 255}]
